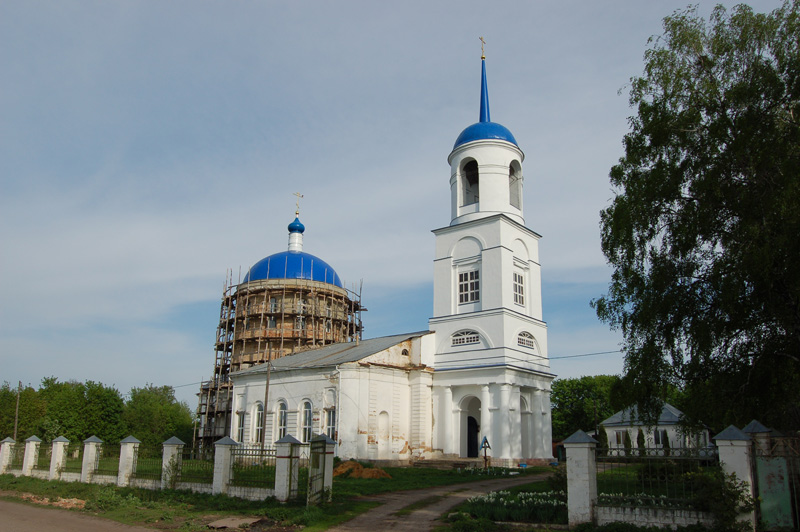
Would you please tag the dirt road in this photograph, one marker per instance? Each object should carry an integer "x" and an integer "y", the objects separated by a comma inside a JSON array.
[{"x": 18, "y": 517}]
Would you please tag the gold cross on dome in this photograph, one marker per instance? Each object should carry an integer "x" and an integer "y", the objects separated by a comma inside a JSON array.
[
  {"x": 483, "y": 56},
  {"x": 297, "y": 204}
]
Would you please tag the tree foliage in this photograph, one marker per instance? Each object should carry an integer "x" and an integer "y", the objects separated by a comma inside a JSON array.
[
  {"x": 581, "y": 403},
  {"x": 153, "y": 415},
  {"x": 703, "y": 230}
]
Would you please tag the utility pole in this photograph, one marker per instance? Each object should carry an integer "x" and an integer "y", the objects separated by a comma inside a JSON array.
[{"x": 16, "y": 413}]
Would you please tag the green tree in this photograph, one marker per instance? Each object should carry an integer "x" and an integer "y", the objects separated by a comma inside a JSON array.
[
  {"x": 640, "y": 443},
  {"x": 31, "y": 410},
  {"x": 702, "y": 233},
  {"x": 78, "y": 410},
  {"x": 628, "y": 444},
  {"x": 153, "y": 415},
  {"x": 580, "y": 403}
]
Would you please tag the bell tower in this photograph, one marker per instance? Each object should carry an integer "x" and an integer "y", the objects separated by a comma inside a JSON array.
[{"x": 492, "y": 374}]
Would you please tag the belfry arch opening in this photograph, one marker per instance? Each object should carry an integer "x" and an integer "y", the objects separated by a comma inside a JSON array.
[
  {"x": 469, "y": 173},
  {"x": 515, "y": 185}
]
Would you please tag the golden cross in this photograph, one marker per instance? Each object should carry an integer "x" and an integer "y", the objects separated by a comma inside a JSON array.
[
  {"x": 297, "y": 205},
  {"x": 482, "y": 43}
]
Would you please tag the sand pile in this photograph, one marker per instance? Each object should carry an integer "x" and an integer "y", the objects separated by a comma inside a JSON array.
[{"x": 352, "y": 469}]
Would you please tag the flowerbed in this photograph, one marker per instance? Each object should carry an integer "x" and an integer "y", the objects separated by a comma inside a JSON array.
[{"x": 523, "y": 507}]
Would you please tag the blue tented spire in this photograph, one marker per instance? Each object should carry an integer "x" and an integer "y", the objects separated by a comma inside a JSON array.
[{"x": 484, "y": 94}]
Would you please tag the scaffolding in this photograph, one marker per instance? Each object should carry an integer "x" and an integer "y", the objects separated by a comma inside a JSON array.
[{"x": 265, "y": 319}]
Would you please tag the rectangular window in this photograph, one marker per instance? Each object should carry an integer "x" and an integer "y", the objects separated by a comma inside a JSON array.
[
  {"x": 240, "y": 431},
  {"x": 469, "y": 286},
  {"x": 519, "y": 289},
  {"x": 307, "y": 423},
  {"x": 620, "y": 437},
  {"x": 330, "y": 424}
]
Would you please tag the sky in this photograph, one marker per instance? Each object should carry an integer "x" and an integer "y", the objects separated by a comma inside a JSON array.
[{"x": 148, "y": 147}]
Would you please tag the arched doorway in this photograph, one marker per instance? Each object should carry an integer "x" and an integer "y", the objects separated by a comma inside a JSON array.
[
  {"x": 527, "y": 451},
  {"x": 470, "y": 426}
]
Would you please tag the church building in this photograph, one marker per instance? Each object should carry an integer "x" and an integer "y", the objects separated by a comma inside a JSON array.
[{"x": 480, "y": 373}]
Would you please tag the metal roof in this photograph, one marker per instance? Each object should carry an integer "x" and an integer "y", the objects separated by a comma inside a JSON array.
[
  {"x": 332, "y": 355},
  {"x": 293, "y": 265},
  {"x": 630, "y": 416}
]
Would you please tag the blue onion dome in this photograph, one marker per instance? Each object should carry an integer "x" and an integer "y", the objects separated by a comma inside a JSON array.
[
  {"x": 485, "y": 129},
  {"x": 296, "y": 226},
  {"x": 293, "y": 265}
]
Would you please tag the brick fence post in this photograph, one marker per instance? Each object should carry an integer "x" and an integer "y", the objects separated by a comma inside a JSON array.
[
  {"x": 287, "y": 466},
  {"x": 31, "y": 455},
  {"x": 57, "y": 457},
  {"x": 5, "y": 454},
  {"x": 91, "y": 447},
  {"x": 223, "y": 455},
  {"x": 735, "y": 456},
  {"x": 581, "y": 477},
  {"x": 127, "y": 458},
  {"x": 171, "y": 462}
]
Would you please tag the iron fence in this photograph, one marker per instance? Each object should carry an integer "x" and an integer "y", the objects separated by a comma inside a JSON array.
[
  {"x": 43, "y": 458},
  {"x": 657, "y": 477},
  {"x": 253, "y": 466},
  {"x": 147, "y": 462},
  {"x": 196, "y": 465},
  {"x": 73, "y": 458},
  {"x": 17, "y": 457},
  {"x": 107, "y": 460}
]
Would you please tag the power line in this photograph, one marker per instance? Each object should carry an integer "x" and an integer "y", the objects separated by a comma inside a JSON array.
[{"x": 588, "y": 354}]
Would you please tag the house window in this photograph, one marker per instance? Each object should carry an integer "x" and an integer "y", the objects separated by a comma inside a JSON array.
[
  {"x": 470, "y": 180},
  {"x": 519, "y": 289},
  {"x": 660, "y": 437},
  {"x": 282, "y": 415},
  {"x": 330, "y": 423},
  {"x": 240, "y": 427},
  {"x": 273, "y": 304},
  {"x": 466, "y": 338},
  {"x": 259, "y": 414},
  {"x": 525, "y": 339},
  {"x": 305, "y": 436},
  {"x": 469, "y": 286},
  {"x": 620, "y": 437}
]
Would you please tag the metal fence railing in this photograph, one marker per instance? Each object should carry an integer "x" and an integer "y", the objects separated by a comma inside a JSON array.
[
  {"x": 253, "y": 466},
  {"x": 196, "y": 465},
  {"x": 73, "y": 458},
  {"x": 147, "y": 462},
  {"x": 656, "y": 477},
  {"x": 107, "y": 460},
  {"x": 17, "y": 456},
  {"x": 43, "y": 459}
]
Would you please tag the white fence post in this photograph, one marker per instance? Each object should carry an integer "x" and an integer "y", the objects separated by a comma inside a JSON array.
[
  {"x": 5, "y": 454},
  {"x": 581, "y": 477},
  {"x": 91, "y": 445},
  {"x": 287, "y": 466},
  {"x": 171, "y": 462},
  {"x": 327, "y": 485},
  {"x": 31, "y": 455},
  {"x": 735, "y": 456},
  {"x": 223, "y": 450},
  {"x": 57, "y": 457},
  {"x": 127, "y": 457}
]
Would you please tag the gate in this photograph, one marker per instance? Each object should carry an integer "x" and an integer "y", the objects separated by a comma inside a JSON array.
[
  {"x": 316, "y": 471},
  {"x": 777, "y": 475}
]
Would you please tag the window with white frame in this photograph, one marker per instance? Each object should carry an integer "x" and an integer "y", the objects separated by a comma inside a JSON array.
[
  {"x": 330, "y": 423},
  {"x": 259, "y": 422},
  {"x": 466, "y": 338},
  {"x": 282, "y": 418},
  {"x": 240, "y": 427},
  {"x": 660, "y": 437},
  {"x": 305, "y": 435},
  {"x": 525, "y": 339},
  {"x": 519, "y": 288},
  {"x": 469, "y": 286}
]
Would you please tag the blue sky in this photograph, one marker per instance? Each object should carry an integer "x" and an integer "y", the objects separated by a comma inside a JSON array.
[{"x": 146, "y": 147}]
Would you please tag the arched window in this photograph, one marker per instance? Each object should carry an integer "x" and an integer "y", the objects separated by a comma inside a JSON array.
[
  {"x": 514, "y": 187},
  {"x": 282, "y": 414},
  {"x": 470, "y": 180},
  {"x": 240, "y": 427},
  {"x": 330, "y": 423},
  {"x": 525, "y": 339},
  {"x": 466, "y": 338},
  {"x": 259, "y": 422},
  {"x": 305, "y": 435}
]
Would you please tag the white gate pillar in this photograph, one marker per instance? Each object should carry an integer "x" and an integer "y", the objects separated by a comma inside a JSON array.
[
  {"x": 91, "y": 448},
  {"x": 735, "y": 457},
  {"x": 127, "y": 457},
  {"x": 223, "y": 456},
  {"x": 287, "y": 467},
  {"x": 171, "y": 462},
  {"x": 31, "y": 455},
  {"x": 5, "y": 454},
  {"x": 581, "y": 478},
  {"x": 58, "y": 457}
]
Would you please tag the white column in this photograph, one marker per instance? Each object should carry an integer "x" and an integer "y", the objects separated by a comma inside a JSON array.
[
  {"x": 537, "y": 433},
  {"x": 91, "y": 446},
  {"x": 547, "y": 426},
  {"x": 127, "y": 453},
  {"x": 171, "y": 462},
  {"x": 486, "y": 415},
  {"x": 448, "y": 436},
  {"x": 57, "y": 457},
  {"x": 581, "y": 478},
  {"x": 223, "y": 458},
  {"x": 503, "y": 434},
  {"x": 31, "y": 455},
  {"x": 5, "y": 454},
  {"x": 735, "y": 457}
]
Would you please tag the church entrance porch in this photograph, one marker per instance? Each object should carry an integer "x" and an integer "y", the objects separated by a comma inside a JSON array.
[{"x": 469, "y": 436}]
